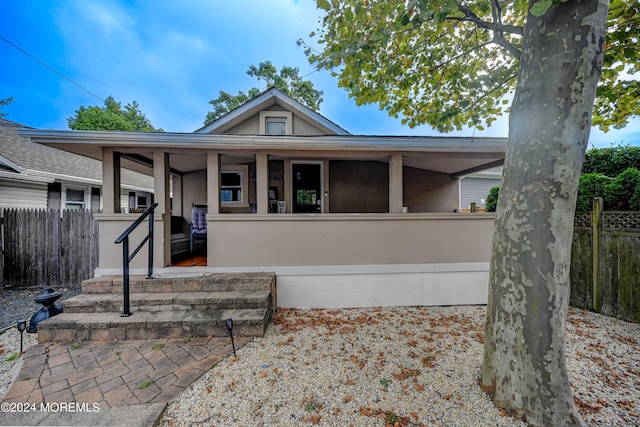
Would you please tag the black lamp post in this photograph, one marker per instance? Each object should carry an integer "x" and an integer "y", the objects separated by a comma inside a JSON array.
[
  {"x": 229, "y": 325},
  {"x": 22, "y": 325}
]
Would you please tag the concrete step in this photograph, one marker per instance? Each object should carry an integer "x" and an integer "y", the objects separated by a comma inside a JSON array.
[
  {"x": 167, "y": 301},
  {"x": 208, "y": 282},
  {"x": 73, "y": 327}
]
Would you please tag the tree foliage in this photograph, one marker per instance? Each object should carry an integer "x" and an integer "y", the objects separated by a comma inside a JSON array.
[
  {"x": 111, "y": 117},
  {"x": 611, "y": 161},
  {"x": 437, "y": 62},
  {"x": 3, "y": 103},
  {"x": 619, "y": 91},
  {"x": 492, "y": 199},
  {"x": 621, "y": 194},
  {"x": 287, "y": 80},
  {"x": 591, "y": 186}
]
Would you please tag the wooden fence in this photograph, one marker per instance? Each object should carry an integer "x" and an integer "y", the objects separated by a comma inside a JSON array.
[
  {"x": 48, "y": 247},
  {"x": 605, "y": 263}
]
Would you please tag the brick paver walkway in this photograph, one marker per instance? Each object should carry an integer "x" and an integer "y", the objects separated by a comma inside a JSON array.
[{"x": 116, "y": 373}]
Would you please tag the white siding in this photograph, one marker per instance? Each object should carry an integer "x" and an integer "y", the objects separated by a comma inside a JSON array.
[
  {"x": 15, "y": 194},
  {"x": 475, "y": 190},
  {"x": 124, "y": 200}
]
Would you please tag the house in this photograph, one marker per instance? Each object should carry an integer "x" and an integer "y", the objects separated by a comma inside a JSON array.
[
  {"x": 342, "y": 220},
  {"x": 474, "y": 188},
  {"x": 36, "y": 176}
]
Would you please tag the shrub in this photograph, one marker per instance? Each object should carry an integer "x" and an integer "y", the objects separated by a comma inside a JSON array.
[
  {"x": 492, "y": 199},
  {"x": 611, "y": 161},
  {"x": 634, "y": 202},
  {"x": 591, "y": 186},
  {"x": 619, "y": 193}
]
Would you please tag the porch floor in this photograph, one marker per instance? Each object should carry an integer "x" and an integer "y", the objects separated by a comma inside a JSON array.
[{"x": 190, "y": 261}]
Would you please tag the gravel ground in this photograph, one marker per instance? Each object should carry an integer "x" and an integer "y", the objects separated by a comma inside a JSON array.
[
  {"x": 19, "y": 303},
  {"x": 410, "y": 366},
  {"x": 10, "y": 362}
]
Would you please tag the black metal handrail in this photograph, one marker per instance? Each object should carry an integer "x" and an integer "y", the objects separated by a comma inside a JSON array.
[{"x": 126, "y": 258}]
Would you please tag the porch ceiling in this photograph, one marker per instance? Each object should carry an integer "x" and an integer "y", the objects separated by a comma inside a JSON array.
[{"x": 450, "y": 155}]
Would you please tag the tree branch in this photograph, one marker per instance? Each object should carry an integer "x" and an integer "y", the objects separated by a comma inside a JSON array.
[{"x": 497, "y": 26}]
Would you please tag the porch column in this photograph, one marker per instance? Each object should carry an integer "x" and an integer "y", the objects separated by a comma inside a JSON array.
[
  {"x": 262, "y": 182},
  {"x": 110, "y": 181},
  {"x": 395, "y": 183},
  {"x": 213, "y": 183},
  {"x": 161, "y": 191}
]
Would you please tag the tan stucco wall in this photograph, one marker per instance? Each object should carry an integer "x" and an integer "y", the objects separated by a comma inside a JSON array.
[
  {"x": 111, "y": 226},
  {"x": 363, "y": 187},
  {"x": 337, "y": 239},
  {"x": 426, "y": 191},
  {"x": 251, "y": 126},
  {"x": 194, "y": 190}
]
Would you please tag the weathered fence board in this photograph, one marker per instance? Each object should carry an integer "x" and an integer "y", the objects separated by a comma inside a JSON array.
[
  {"x": 48, "y": 247},
  {"x": 611, "y": 285},
  {"x": 581, "y": 269}
]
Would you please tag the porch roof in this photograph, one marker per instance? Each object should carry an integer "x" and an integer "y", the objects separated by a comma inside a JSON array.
[{"x": 452, "y": 155}]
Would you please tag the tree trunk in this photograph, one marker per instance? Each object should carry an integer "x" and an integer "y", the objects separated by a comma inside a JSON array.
[{"x": 524, "y": 353}]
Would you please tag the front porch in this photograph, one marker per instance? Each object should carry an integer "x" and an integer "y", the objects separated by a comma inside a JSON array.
[{"x": 343, "y": 221}]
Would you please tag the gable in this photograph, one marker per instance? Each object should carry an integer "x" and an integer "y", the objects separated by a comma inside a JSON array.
[
  {"x": 254, "y": 124},
  {"x": 249, "y": 118}
]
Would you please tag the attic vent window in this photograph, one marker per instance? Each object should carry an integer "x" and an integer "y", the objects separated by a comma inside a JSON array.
[
  {"x": 276, "y": 126},
  {"x": 276, "y": 122}
]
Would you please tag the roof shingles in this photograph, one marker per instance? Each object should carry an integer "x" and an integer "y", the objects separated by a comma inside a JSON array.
[{"x": 41, "y": 158}]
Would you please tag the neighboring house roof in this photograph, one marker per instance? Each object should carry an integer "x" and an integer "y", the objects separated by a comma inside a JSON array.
[
  {"x": 21, "y": 159},
  {"x": 267, "y": 98}
]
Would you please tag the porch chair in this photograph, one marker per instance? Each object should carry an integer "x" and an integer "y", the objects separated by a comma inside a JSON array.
[{"x": 198, "y": 224}]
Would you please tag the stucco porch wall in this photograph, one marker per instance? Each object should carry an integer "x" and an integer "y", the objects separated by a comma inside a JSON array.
[
  {"x": 359, "y": 260},
  {"x": 348, "y": 239},
  {"x": 110, "y": 226}
]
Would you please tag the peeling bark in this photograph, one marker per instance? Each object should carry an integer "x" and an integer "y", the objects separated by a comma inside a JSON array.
[{"x": 524, "y": 355}]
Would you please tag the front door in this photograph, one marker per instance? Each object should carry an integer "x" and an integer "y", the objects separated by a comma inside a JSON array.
[{"x": 306, "y": 187}]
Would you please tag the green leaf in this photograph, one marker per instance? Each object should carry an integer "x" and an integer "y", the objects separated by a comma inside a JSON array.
[
  {"x": 540, "y": 8},
  {"x": 324, "y": 4}
]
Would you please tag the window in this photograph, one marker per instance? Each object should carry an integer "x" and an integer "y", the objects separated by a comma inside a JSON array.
[
  {"x": 138, "y": 200},
  {"x": 231, "y": 186},
  {"x": 75, "y": 199},
  {"x": 276, "y": 126},
  {"x": 276, "y": 122},
  {"x": 142, "y": 202}
]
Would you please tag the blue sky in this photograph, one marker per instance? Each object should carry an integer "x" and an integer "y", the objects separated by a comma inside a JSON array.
[{"x": 172, "y": 57}]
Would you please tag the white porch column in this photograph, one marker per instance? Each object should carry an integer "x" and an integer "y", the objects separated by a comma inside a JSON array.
[
  {"x": 395, "y": 183},
  {"x": 213, "y": 183},
  {"x": 110, "y": 181},
  {"x": 262, "y": 182},
  {"x": 162, "y": 196}
]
